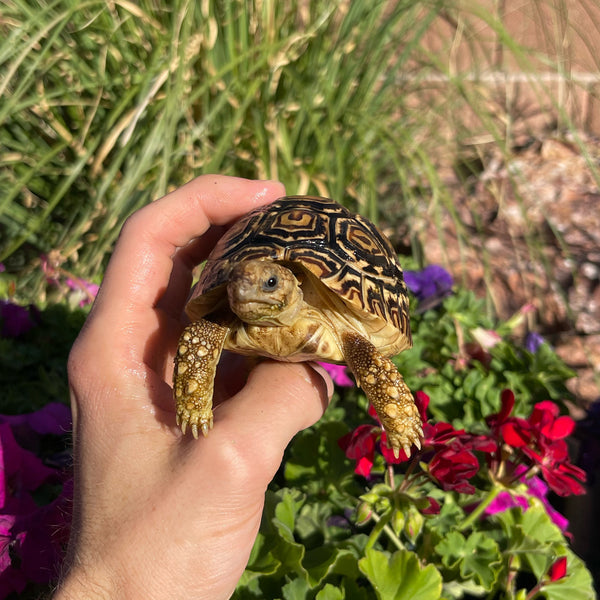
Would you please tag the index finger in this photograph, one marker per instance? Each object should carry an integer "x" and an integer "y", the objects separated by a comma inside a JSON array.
[{"x": 139, "y": 270}]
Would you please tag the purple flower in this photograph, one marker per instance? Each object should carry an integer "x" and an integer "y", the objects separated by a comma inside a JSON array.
[
  {"x": 338, "y": 374},
  {"x": 11, "y": 579},
  {"x": 32, "y": 537},
  {"x": 42, "y": 536},
  {"x": 21, "y": 472},
  {"x": 16, "y": 320},
  {"x": 536, "y": 488},
  {"x": 533, "y": 341},
  {"x": 430, "y": 285},
  {"x": 53, "y": 418}
]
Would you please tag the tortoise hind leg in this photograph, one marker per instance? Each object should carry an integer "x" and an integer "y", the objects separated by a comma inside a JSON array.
[
  {"x": 198, "y": 353},
  {"x": 386, "y": 391}
]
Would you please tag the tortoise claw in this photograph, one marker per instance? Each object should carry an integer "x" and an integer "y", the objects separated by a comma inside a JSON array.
[
  {"x": 196, "y": 361},
  {"x": 198, "y": 421}
]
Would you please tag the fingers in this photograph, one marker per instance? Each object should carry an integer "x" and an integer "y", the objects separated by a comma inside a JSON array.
[
  {"x": 185, "y": 259},
  {"x": 140, "y": 269},
  {"x": 125, "y": 340},
  {"x": 252, "y": 429}
]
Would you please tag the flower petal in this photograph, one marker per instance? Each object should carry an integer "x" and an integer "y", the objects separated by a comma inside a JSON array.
[{"x": 558, "y": 569}]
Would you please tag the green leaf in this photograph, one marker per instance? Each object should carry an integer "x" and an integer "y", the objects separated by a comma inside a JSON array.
[
  {"x": 477, "y": 557},
  {"x": 400, "y": 576},
  {"x": 295, "y": 589},
  {"x": 533, "y": 537},
  {"x": 330, "y": 592},
  {"x": 261, "y": 561},
  {"x": 576, "y": 585},
  {"x": 321, "y": 562},
  {"x": 285, "y": 513},
  {"x": 277, "y": 527}
]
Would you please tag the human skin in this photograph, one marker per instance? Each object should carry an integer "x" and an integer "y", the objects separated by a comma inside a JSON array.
[{"x": 158, "y": 514}]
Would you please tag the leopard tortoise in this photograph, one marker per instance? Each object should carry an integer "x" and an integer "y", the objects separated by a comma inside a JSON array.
[{"x": 301, "y": 279}]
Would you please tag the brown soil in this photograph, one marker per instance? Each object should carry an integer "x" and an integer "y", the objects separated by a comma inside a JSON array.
[{"x": 533, "y": 226}]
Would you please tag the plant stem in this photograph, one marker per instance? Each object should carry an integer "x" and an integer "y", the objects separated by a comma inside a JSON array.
[
  {"x": 382, "y": 524},
  {"x": 479, "y": 510}
]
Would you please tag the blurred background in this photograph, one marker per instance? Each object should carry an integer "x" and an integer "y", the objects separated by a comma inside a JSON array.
[{"x": 467, "y": 129}]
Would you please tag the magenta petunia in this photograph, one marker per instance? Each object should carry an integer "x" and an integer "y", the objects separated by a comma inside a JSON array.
[
  {"x": 21, "y": 472},
  {"x": 15, "y": 320},
  {"x": 53, "y": 418},
  {"x": 338, "y": 373},
  {"x": 32, "y": 537}
]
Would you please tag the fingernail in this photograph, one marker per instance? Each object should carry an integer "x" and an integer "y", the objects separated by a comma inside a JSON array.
[{"x": 317, "y": 368}]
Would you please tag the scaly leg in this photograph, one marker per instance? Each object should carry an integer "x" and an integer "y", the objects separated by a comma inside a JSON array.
[
  {"x": 198, "y": 352},
  {"x": 386, "y": 391}
]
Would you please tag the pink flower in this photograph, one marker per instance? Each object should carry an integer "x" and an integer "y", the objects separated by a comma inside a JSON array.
[
  {"x": 535, "y": 488},
  {"x": 86, "y": 289},
  {"x": 338, "y": 374}
]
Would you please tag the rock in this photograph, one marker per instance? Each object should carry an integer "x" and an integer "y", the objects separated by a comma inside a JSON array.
[{"x": 533, "y": 227}]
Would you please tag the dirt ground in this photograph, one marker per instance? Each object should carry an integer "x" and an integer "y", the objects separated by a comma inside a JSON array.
[{"x": 533, "y": 225}]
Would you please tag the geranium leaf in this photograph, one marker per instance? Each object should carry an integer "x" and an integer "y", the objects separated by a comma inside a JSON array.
[
  {"x": 477, "y": 557},
  {"x": 533, "y": 535},
  {"x": 482, "y": 560},
  {"x": 330, "y": 592},
  {"x": 278, "y": 524},
  {"x": 400, "y": 576},
  {"x": 451, "y": 549},
  {"x": 261, "y": 561},
  {"x": 576, "y": 585},
  {"x": 295, "y": 589},
  {"x": 325, "y": 560}
]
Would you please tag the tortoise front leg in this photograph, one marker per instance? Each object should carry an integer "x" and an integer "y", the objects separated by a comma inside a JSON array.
[
  {"x": 386, "y": 391},
  {"x": 198, "y": 353}
]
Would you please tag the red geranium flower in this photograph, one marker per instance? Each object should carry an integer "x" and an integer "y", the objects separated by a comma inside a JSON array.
[
  {"x": 452, "y": 461},
  {"x": 452, "y": 467},
  {"x": 359, "y": 445},
  {"x": 539, "y": 440},
  {"x": 558, "y": 570}
]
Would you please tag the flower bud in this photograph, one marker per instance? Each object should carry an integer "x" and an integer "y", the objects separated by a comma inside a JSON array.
[{"x": 363, "y": 513}]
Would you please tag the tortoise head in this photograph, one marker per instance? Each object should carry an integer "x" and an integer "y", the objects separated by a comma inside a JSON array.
[{"x": 263, "y": 292}]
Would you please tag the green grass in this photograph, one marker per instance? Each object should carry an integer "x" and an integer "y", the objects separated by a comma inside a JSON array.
[{"x": 106, "y": 106}]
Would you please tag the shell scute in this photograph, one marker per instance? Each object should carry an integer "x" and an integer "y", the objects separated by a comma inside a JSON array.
[{"x": 344, "y": 250}]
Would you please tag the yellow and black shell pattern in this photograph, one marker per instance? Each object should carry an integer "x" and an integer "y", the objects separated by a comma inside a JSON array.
[{"x": 344, "y": 250}]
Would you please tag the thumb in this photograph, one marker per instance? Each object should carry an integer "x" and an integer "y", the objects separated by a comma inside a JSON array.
[{"x": 279, "y": 400}]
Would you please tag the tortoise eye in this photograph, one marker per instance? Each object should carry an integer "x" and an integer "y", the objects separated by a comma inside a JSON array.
[{"x": 269, "y": 285}]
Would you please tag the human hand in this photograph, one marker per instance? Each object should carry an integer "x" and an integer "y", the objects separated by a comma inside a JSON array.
[{"x": 158, "y": 514}]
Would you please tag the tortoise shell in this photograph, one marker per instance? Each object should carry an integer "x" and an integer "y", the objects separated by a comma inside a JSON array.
[{"x": 347, "y": 252}]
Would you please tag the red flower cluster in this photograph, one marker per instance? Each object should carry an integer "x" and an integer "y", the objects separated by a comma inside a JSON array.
[
  {"x": 540, "y": 440},
  {"x": 450, "y": 453}
]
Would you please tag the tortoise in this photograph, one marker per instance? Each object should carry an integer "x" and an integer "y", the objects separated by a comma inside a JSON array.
[{"x": 300, "y": 279}]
